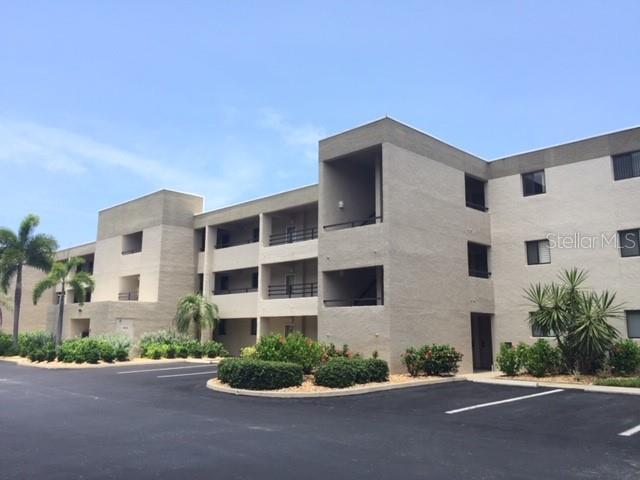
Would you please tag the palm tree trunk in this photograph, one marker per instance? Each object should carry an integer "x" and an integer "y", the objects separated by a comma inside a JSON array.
[
  {"x": 16, "y": 305},
  {"x": 58, "y": 337}
]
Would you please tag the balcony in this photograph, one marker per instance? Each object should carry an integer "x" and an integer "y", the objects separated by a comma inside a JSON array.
[
  {"x": 371, "y": 220},
  {"x": 356, "y": 287},
  {"x": 229, "y": 291},
  {"x": 292, "y": 236},
  {"x": 294, "y": 290},
  {"x": 128, "y": 296},
  {"x": 235, "y": 293},
  {"x": 241, "y": 232},
  {"x": 132, "y": 243}
]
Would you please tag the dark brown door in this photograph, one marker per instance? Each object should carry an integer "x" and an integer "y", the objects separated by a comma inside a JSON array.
[{"x": 481, "y": 341}]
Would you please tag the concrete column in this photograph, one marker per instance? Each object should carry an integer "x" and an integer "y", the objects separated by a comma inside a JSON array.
[{"x": 378, "y": 180}]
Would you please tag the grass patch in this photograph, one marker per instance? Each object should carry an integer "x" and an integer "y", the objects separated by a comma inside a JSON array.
[{"x": 633, "y": 382}]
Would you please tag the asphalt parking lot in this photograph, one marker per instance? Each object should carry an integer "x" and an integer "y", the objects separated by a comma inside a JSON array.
[{"x": 161, "y": 422}]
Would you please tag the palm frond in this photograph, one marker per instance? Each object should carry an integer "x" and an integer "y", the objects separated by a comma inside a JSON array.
[
  {"x": 40, "y": 250},
  {"x": 194, "y": 310},
  {"x": 27, "y": 226},
  {"x": 81, "y": 283},
  {"x": 43, "y": 285},
  {"x": 7, "y": 238}
]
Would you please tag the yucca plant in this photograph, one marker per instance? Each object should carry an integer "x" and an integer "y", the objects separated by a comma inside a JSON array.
[
  {"x": 576, "y": 317},
  {"x": 66, "y": 274},
  {"x": 17, "y": 250},
  {"x": 194, "y": 311}
]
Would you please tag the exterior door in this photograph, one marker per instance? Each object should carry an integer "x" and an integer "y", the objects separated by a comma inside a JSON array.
[{"x": 481, "y": 341}]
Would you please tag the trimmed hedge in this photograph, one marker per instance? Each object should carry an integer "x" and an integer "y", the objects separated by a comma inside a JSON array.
[
  {"x": 624, "y": 358},
  {"x": 252, "y": 374},
  {"x": 435, "y": 359},
  {"x": 37, "y": 346},
  {"x": 294, "y": 348},
  {"x": 6, "y": 344},
  {"x": 342, "y": 372},
  {"x": 632, "y": 382}
]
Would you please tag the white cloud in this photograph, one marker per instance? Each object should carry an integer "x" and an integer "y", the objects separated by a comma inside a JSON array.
[
  {"x": 304, "y": 136},
  {"x": 58, "y": 150}
]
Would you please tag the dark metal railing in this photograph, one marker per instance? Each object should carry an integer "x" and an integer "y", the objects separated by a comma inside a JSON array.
[
  {"x": 295, "y": 236},
  {"x": 477, "y": 206},
  {"x": 228, "y": 291},
  {"x": 353, "y": 302},
  {"x": 128, "y": 296},
  {"x": 235, "y": 244},
  {"x": 129, "y": 252},
  {"x": 354, "y": 223},
  {"x": 294, "y": 290},
  {"x": 479, "y": 273}
]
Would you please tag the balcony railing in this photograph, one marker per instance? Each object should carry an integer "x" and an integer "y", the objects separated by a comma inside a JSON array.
[
  {"x": 236, "y": 243},
  {"x": 128, "y": 296},
  {"x": 294, "y": 290},
  {"x": 354, "y": 223},
  {"x": 295, "y": 236},
  {"x": 353, "y": 302},
  {"x": 129, "y": 252},
  {"x": 477, "y": 206},
  {"x": 229, "y": 291},
  {"x": 479, "y": 273}
]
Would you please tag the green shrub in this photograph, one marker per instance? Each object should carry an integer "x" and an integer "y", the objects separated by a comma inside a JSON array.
[
  {"x": 162, "y": 337},
  {"x": 542, "y": 359},
  {"x": 86, "y": 350},
  {"x": 119, "y": 342},
  {"x": 106, "y": 351},
  {"x": 248, "y": 352},
  {"x": 255, "y": 374},
  {"x": 213, "y": 349},
  {"x": 6, "y": 344},
  {"x": 36, "y": 345},
  {"x": 295, "y": 348},
  {"x": 508, "y": 360},
  {"x": 633, "y": 382},
  {"x": 624, "y": 358},
  {"x": 338, "y": 372},
  {"x": 413, "y": 361},
  {"x": 441, "y": 359},
  {"x": 376, "y": 370}
]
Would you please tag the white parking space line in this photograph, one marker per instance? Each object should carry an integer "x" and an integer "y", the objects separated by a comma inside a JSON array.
[
  {"x": 166, "y": 368},
  {"x": 631, "y": 431},
  {"x": 187, "y": 374},
  {"x": 508, "y": 400}
]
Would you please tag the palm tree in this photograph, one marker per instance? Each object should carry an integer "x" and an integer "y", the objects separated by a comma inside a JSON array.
[
  {"x": 18, "y": 250},
  {"x": 4, "y": 304},
  {"x": 66, "y": 274},
  {"x": 194, "y": 310},
  {"x": 576, "y": 317}
]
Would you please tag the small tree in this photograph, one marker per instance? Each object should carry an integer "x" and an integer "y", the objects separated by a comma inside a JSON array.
[
  {"x": 194, "y": 311},
  {"x": 66, "y": 274},
  {"x": 20, "y": 249},
  {"x": 576, "y": 317}
]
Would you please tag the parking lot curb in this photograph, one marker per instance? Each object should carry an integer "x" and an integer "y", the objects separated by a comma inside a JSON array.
[
  {"x": 571, "y": 386},
  {"x": 334, "y": 393}
]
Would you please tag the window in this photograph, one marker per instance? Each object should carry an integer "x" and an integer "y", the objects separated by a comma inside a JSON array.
[
  {"x": 538, "y": 252},
  {"x": 533, "y": 183},
  {"x": 633, "y": 323},
  {"x": 626, "y": 165},
  {"x": 201, "y": 283},
  {"x": 254, "y": 280},
  {"x": 474, "y": 193},
  {"x": 478, "y": 256},
  {"x": 201, "y": 238},
  {"x": 222, "y": 327},
  {"x": 629, "y": 243},
  {"x": 132, "y": 243},
  {"x": 254, "y": 326},
  {"x": 540, "y": 332},
  {"x": 256, "y": 234}
]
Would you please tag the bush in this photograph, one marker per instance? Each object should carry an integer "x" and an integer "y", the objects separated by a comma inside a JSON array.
[
  {"x": 162, "y": 337},
  {"x": 213, "y": 349},
  {"x": 86, "y": 350},
  {"x": 337, "y": 372},
  {"x": 508, "y": 360},
  {"x": 6, "y": 344},
  {"x": 119, "y": 343},
  {"x": 413, "y": 361},
  {"x": 329, "y": 350},
  {"x": 255, "y": 374},
  {"x": 633, "y": 382},
  {"x": 376, "y": 370},
  {"x": 295, "y": 348},
  {"x": 624, "y": 358},
  {"x": 542, "y": 358},
  {"x": 248, "y": 352},
  {"x": 36, "y": 345}
]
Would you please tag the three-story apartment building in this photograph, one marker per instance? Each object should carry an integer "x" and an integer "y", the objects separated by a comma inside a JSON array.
[{"x": 405, "y": 240}]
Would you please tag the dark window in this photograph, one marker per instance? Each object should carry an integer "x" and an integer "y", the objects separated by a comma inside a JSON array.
[
  {"x": 533, "y": 183},
  {"x": 221, "y": 329},
  {"x": 201, "y": 239},
  {"x": 629, "y": 243},
  {"x": 478, "y": 260},
  {"x": 540, "y": 332},
  {"x": 538, "y": 252},
  {"x": 474, "y": 193},
  {"x": 254, "y": 326},
  {"x": 224, "y": 282},
  {"x": 223, "y": 238},
  {"x": 633, "y": 323},
  {"x": 254, "y": 280},
  {"x": 626, "y": 165},
  {"x": 256, "y": 234},
  {"x": 201, "y": 283}
]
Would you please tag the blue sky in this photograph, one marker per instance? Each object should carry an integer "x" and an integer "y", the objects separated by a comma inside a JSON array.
[{"x": 104, "y": 101}]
